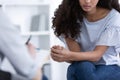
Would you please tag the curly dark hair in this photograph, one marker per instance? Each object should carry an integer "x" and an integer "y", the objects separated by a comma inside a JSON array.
[{"x": 69, "y": 12}]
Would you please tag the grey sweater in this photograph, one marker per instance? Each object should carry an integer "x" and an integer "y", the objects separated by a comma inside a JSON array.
[{"x": 13, "y": 48}]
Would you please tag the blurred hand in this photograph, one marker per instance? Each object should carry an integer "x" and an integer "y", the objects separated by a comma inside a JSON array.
[
  {"x": 60, "y": 54},
  {"x": 31, "y": 49}
]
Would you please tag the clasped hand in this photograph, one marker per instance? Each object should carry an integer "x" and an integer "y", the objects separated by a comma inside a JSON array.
[{"x": 60, "y": 54}]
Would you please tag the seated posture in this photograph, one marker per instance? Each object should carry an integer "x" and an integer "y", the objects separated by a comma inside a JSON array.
[
  {"x": 14, "y": 49},
  {"x": 91, "y": 30}
]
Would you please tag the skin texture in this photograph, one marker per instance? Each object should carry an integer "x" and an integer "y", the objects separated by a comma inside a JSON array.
[
  {"x": 60, "y": 54},
  {"x": 32, "y": 51},
  {"x": 88, "y": 6}
]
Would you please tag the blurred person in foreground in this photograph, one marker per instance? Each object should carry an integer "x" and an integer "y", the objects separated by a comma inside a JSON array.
[{"x": 20, "y": 55}]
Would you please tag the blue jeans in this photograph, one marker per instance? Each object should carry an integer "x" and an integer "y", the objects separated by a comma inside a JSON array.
[
  {"x": 88, "y": 71},
  {"x": 44, "y": 77}
]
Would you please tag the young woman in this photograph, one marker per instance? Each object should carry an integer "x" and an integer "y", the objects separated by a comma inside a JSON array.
[{"x": 91, "y": 30}]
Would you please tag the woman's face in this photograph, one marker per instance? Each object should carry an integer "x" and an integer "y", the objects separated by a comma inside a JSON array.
[{"x": 88, "y": 5}]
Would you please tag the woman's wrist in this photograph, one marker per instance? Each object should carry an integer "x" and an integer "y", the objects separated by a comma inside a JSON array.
[{"x": 70, "y": 58}]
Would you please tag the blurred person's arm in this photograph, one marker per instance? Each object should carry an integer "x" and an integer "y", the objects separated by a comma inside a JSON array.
[
  {"x": 31, "y": 49},
  {"x": 13, "y": 47},
  {"x": 32, "y": 52}
]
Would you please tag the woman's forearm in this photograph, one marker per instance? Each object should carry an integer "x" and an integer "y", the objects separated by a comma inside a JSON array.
[
  {"x": 81, "y": 56},
  {"x": 94, "y": 55},
  {"x": 72, "y": 45}
]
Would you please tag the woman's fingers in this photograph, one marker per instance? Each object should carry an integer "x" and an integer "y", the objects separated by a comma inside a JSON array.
[
  {"x": 57, "y": 51},
  {"x": 57, "y": 57}
]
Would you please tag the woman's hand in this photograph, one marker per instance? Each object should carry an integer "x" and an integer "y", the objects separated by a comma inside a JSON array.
[
  {"x": 60, "y": 54},
  {"x": 31, "y": 49}
]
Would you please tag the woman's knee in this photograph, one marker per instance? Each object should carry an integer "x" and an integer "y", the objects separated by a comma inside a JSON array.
[
  {"x": 82, "y": 70},
  {"x": 85, "y": 70},
  {"x": 81, "y": 66},
  {"x": 85, "y": 65},
  {"x": 71, "y": 68},
  {"x": 71, "y": 72}
]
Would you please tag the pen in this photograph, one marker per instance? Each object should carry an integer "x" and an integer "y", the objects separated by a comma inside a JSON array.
[{"x": 28, "y": 40}]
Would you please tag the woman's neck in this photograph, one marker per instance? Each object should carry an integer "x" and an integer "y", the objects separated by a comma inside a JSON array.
[{"x": 97, "y": 14}]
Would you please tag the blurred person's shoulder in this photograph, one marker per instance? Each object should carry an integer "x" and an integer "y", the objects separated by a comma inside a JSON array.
[
  {"x": 5, "y": 21},
  {"x": 3, "y": 16}
]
